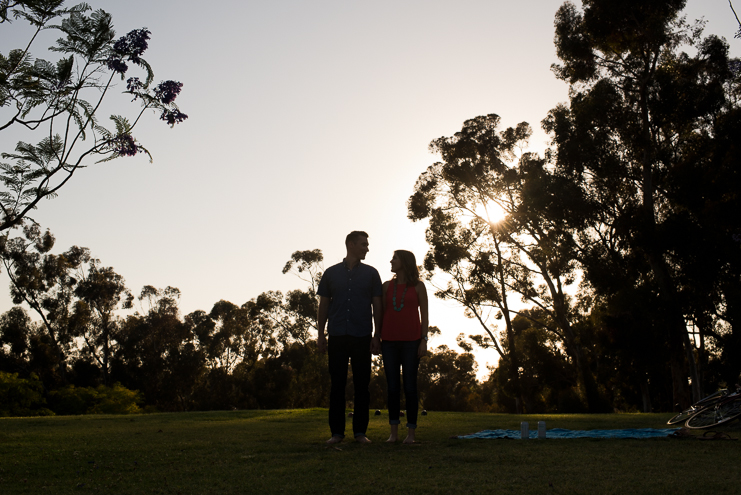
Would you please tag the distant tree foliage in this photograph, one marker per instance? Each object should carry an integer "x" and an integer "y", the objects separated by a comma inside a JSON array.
[{"x": 85, "y": 357}]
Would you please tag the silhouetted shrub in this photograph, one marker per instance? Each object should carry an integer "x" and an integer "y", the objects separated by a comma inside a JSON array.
[
  {"x": 21, "y": 396},
  {"x": 100, "y": 400}
]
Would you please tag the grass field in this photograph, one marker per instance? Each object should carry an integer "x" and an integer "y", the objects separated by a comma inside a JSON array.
[{"x": 284, "y": 452}]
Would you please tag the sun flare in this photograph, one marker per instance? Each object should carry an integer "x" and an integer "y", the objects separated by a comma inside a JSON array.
[{"x": 491, "y": 211}]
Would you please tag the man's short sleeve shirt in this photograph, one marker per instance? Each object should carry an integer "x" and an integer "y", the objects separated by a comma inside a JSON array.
[{"x": 351, "y": 294}]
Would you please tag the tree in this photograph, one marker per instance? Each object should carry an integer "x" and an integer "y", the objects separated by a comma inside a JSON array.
[
  {"x": 157, "y": 352},
  {"x": 447, "y": 381},
  {"x": 302, "y": 305},
  {"x": 634, "y": 376},
  {"x": 527, "y": 253},
  {"x": 273, "y": 314},
  {"x": 74, "y": 296},
  {"x": 549, "y": 381},
  {"x": 289, "y": 318},
  {"x": 16, "y": 329},
  {"x": 61, "y": 100},
  {"x": 46, "y": 283},
  {"x": 225, "y": 335},
  {"x": 638, "y": 109},
  {"x": 100, "y": 292}
]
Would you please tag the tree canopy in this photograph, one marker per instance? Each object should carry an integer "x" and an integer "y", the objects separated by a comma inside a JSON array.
[
  {"x": 60, "y": 101},
  {"x": 633, "y": 199}
]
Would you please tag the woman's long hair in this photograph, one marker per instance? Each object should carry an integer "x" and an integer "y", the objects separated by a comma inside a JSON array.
[{"x": 408, "y": 266}]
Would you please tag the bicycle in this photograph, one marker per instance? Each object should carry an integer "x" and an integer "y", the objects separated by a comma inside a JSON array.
[
  {"x": 708, "y": 401},
  {"x": 721, "y": 412}
]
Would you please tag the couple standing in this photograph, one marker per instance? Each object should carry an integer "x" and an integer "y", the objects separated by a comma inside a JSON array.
[{"x": 352, "y": 297}]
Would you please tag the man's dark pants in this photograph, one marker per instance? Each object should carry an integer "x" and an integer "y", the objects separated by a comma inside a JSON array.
[{"x": 340, "y": 349}]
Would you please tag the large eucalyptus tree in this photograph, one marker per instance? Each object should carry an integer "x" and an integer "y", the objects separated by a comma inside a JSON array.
[{"x": 640, "y": 110}]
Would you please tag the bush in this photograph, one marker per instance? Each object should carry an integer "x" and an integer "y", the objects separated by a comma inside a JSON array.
[
  {"x": 116, "y": 400},
  {"x": 21, "y": 396},
  {"x": 101, "y": 400}
]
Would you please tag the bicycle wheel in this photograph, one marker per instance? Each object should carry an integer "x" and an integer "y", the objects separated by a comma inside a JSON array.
[
  {"x": 716, "y": 415},
  {"x": 711, "y": 399},
  {"x": 730, "y": 411},
  {"x": 683, "y": 416},
  {"x": 708, "y": 401}
]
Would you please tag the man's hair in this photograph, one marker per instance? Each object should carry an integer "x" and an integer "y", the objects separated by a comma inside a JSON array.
[
  {"x": 355, "y": 236},
  {"x": 409, "y": 266}
]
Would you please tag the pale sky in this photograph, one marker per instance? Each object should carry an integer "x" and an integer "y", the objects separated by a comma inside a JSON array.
[{"x": 307, "y": 120}]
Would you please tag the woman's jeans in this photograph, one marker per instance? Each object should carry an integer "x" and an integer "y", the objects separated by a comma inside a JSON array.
[{"x": 401, "y": 356}]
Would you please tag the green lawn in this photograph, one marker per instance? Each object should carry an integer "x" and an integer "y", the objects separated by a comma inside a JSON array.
[{"x": 284, "y": 452}]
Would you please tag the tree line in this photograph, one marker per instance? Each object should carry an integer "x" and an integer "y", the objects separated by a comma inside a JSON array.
[
  {"x": 613, "y": 282},
  {"x": 83, "y": 354}
]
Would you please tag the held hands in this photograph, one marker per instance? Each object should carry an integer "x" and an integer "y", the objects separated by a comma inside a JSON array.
[
  {"x": 375, "y": 346},
  {"x": 321, "y": 343},
  {"x": 422, "y": 350}
]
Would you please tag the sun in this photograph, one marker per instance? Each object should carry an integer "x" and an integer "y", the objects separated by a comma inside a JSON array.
[{"x": 491, "y": 211}]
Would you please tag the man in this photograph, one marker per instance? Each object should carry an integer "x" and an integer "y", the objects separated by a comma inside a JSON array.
[{"x": 350, "y": 296}]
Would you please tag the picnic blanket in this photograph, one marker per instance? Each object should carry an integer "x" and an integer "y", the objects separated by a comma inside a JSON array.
[{"x": 563, "y": 433}]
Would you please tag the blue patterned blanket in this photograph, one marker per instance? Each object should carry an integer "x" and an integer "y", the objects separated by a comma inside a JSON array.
[{"x": 563, "y": 433}]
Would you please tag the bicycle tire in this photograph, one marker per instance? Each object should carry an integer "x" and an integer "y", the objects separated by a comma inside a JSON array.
[
  {"x": 717, "y": 415},
  {"x": 732, "y": 410},
  {"x": 711, "y": 399},
  {"x": 684, "y": 415},
  {"x": 708, "y": 401}
]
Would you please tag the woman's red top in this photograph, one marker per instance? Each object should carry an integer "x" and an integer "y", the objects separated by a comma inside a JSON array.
[{"x": 404, "y": 324}]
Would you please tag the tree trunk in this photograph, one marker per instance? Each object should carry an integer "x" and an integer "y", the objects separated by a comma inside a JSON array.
[
  {"x": 679, "y": 385},
  {"x": 655, "y": 256},
  {"x": 514, "y": 371},
  {"x": 646, "y": 397},
  {"x": 586, "y": 380}
]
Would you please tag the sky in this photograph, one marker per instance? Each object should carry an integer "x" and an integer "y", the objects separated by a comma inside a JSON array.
[{"x": 307, "y": 120}]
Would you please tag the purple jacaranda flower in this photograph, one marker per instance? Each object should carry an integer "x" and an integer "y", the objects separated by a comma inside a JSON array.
[
  {"x": 737, "y": 237},
  {"x": 132, "y": 46},
  {"x": 173, "y": 117},
  {"x": 117, "y": 65},
  {"x": 167, "y": 91},
  {"x": 134, "y": 84},
  {"x": 134, "y": 43},
  {"x": 124, "y": 145}
]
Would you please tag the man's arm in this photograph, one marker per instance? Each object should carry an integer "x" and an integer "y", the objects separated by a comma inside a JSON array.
[
  {"x": 378, "y": 321},
  {"x": 321, "y": 322}
]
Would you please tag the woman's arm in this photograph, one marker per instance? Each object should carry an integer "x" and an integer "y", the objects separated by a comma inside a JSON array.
[
  {"x": 424, "y": 317},
  {"x": 383, "y": 295}
]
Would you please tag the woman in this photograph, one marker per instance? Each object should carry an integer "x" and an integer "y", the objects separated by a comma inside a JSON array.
[{"x": 403, "y": 338}]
